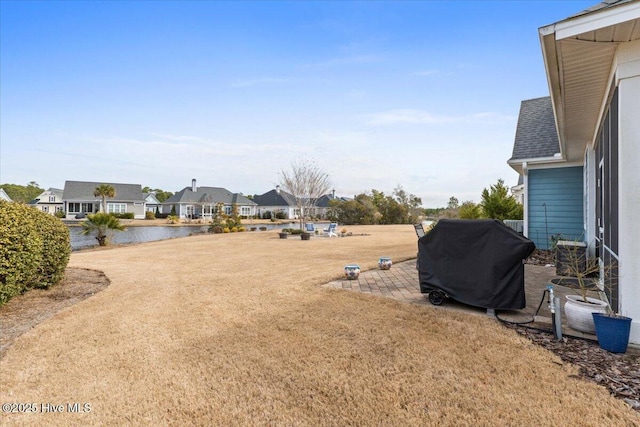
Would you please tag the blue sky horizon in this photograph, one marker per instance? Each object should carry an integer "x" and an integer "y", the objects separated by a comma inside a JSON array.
[{"x": 424, "y": 95}]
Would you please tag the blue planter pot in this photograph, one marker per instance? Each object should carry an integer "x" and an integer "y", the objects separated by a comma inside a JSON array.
[{"x": 612, "y": 332}]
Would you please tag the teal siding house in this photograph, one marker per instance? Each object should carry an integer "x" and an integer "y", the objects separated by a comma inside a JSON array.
[
  {"x": 587, "y": 135},
  {"x": 553, "y": 188},
  {"x": 555, "y": 205}
]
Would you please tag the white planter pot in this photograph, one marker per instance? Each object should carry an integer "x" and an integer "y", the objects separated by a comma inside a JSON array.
[{"x": 578, "y": 312}]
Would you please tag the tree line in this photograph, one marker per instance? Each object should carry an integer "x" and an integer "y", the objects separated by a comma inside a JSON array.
[
  {"x": 375, "y": 207},
  {"x": 401, "y": 208},
  {"x": 496, "y": 203}
]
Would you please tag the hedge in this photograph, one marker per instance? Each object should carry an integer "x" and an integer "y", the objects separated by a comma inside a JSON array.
[{"x": 34, "y": 249}]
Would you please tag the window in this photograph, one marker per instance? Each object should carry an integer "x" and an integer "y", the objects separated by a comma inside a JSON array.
[
  {"x": 245, "y": 210},
  {"x": 227, "y": 210},
  {"x": 87, "y": 208},
  {"x": 73, "y": 207},
  {"x": 116, "y": 208},
  {"x": 52, "y": 199}
]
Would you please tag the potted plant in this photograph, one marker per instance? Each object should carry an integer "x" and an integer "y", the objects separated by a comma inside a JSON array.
[
  {"x": 583, "y": 275},
  {"x": 612, "y": 328},
  {"x": 305, "y": 235},
  {"x": 284, "y": 233}
]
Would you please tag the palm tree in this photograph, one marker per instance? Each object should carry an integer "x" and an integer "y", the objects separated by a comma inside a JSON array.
[
  {"x": 104, "y": 191},
  {"x": 100, "y": 223}
]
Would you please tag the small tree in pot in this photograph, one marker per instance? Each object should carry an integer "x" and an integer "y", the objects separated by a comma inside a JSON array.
[{"x": 583, "y": 275}]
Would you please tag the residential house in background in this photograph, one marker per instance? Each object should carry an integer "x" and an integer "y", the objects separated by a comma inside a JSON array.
[
  {"x": 276, "y": 202},
  {"x": 50, "y": 201},
  {"x": 79, "y": 200},
  {"x": 517, "y": 190},
  {"x": 200, "y": 202},
  {"x": 592, "y": 62},
  {"x": 323, "y": 205},
  {"x": 151, "y": 203},
  {"x": 279, "y": 202},
  {"x": 552, "y": 186},
  {"x": 4, "y": 195}
]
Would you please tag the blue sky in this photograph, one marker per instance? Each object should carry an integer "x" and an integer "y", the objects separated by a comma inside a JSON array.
[{"x": 379, "y": 94}]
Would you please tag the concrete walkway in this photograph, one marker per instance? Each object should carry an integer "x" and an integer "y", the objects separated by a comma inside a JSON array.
[{"x": 401, "y": 283}]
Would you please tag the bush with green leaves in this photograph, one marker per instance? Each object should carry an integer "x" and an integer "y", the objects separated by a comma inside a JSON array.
[
  {"x": 149, "y": 215},
  {"x": 34, "y": 249},
  {"x": 123, "y": 215},
  {"x": 56, "y": 248}
]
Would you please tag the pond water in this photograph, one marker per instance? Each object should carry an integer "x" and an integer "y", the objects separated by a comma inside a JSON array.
[
  {"x": 133, "y": 235},
  {"x": 141, "y": 234}
]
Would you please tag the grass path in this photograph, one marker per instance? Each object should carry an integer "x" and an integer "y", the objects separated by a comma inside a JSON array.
[{"x": 233, "y": 329}]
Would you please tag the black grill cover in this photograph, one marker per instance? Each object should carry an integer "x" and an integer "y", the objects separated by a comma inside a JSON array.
[{"x": 476, "y": 262}]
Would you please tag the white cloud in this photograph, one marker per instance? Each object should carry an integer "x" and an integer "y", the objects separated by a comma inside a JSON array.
[
  {"x": 393, "y": 117},
  {"x": 412, "y": 116}
]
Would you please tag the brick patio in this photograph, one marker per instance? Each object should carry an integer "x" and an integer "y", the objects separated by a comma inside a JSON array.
[{"x": 401, "y": 283}]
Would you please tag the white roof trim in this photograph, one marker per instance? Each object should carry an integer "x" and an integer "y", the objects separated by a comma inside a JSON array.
[
  {"x": 573, "y": 27},
  {"x": 535, "y": 160}
]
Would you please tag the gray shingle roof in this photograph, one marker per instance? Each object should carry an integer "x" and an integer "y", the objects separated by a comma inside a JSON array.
[
  {"x": 536, "y": 134},
  {"x": 606, "y": 4},
  {"x": 273, "y": 198},
  {"x": 208, "y": 195},
  {"x": 83, "y": 190},
  {"x": 323, "y": 202}
]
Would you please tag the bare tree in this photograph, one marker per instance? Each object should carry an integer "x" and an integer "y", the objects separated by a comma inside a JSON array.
[{"x": 306, "y": 182}]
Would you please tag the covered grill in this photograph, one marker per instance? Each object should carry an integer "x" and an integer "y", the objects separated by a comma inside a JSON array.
[{"x": 476, "y": 262}]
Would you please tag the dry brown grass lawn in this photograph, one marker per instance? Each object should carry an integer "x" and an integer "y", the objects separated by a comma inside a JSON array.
[{"x": 234, "y": 329}]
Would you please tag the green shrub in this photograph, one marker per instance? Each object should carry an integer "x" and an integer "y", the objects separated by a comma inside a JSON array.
[
  {"x": 56, "y": 249},
  {"x": 149, "y": 215},
  {"x": 60, "y": 214},
  {"x": 241, "y": 229},
  {"x": 20, "y": 249},
  {"x": 226, "y": 230},
  {"x": 296, "y": 231},
  {"x": 234, "y": 229},
  {"x": 34, "y": 249},
  {"x": 124, "y": 215},
  {"x": 263, "y": 228}
]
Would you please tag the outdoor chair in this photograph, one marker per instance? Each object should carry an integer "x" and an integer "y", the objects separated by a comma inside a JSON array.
[
  {"x": 332, "y": 230},
  {"x": 419, "y": 230},
  {"x": 309, "y": 227}
]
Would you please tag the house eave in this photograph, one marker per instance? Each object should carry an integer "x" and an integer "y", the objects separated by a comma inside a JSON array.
[
  {"x": 519, "y": 165},
  {"x": 578, "y": 55}
]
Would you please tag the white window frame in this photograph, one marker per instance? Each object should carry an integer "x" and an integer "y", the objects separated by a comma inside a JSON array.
[{"x": 117, "y": 208}]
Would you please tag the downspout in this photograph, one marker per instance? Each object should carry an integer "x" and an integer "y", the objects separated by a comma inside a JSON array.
[{"x": 525, "y": 204}]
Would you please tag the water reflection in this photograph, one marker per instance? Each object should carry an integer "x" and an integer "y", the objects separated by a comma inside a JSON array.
[
  {"x": 133, "y": 235},
  {"x": 141, "y": 234}
]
